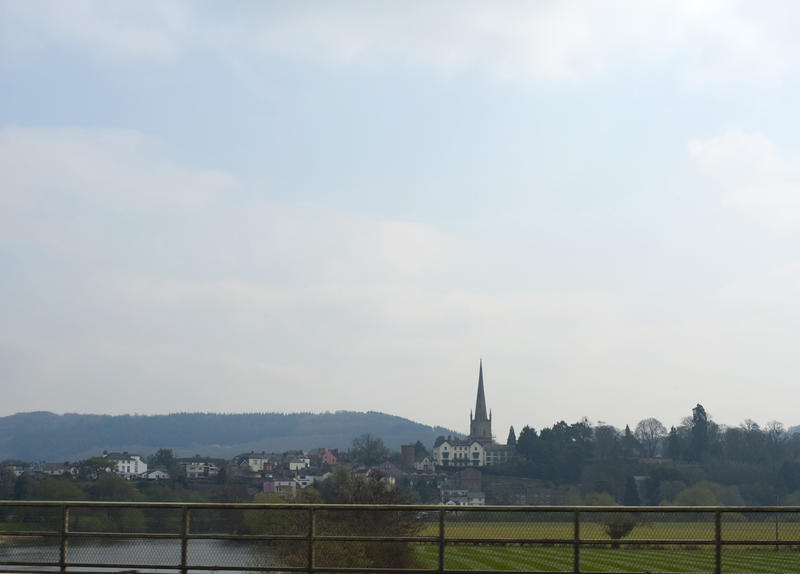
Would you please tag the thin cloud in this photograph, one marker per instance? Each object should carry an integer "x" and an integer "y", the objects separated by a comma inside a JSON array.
[
  {"x": 705, "y": 43},
  {"x": 133, "y": 31},
  {"x": 753, "y": 174},
  {"x": 122, "y": 169}
]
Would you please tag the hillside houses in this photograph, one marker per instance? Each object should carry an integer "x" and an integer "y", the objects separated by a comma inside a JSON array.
[
  {"x": 285, "y": 464},
  {"x": 48, "y": 468},
  {"x": 283, "y": 473},
  {"x": 449, "y": 473}
]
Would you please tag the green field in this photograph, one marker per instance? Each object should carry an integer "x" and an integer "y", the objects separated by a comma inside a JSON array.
[
  {"x": 662, "y": 557},
  {"x": 608, "y": 560},
  {"x": 732, "y": 531}
]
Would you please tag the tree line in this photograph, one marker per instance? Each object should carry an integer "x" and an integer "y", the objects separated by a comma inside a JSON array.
[{"x": 696, "y": 462}]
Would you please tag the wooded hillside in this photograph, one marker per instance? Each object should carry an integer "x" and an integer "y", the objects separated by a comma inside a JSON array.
[{"x": 47, "y": 436}]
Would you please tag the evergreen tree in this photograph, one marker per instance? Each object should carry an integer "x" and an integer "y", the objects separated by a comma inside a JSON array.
[
  {"x": 698, "y": 434},
  {"x": 631, "y": 496},
  {"x": 629, "y": 444},
  {"x": 607, "y": 443},
  {"x": 528, "y": 443},
  {"x": 420, "y": 451},
  {"x": 163, "y": 457},
  {"x": 512, "y": 437},
  {"x": 674, "y": 444}
]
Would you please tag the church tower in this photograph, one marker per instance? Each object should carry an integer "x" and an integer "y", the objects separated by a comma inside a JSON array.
[{"x": 480, "y": 425}]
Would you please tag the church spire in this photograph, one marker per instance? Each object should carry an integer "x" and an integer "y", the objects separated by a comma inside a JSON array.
[
  {"x": 480, "y": 425},
  {"x": 480, "y": 403}
]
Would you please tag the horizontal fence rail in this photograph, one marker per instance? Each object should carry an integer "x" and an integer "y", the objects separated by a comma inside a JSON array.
[{"x": 204, "y": 537}]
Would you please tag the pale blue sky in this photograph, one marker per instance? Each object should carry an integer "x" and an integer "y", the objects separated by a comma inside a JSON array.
[{"x": 343, "y": 205}]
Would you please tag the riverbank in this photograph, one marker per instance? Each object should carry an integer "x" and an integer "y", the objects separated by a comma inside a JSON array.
[{"x": 7, "y": 538}]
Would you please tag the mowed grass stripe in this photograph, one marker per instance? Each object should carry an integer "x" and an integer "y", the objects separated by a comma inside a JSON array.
[
  {"x": 600, "y": 560},
  {"x": 486, "y": 559},
  {"x": 702, "y": 530},
  {"x": 430, "y": 556},
  {"x": 605, "y": 560},
  {"x": 546, "y": 558},
  {"x": 517, "y": 558},
  {"x": 521, "y": 558},
  {"x": 472, "y": 558},
  {"x": 760, "y": 561}
]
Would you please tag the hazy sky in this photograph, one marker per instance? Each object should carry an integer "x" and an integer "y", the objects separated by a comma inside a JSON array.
[{"x": 298, "y": 206}]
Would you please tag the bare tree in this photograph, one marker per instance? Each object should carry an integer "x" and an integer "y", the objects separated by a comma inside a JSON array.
[
  {"x": 749, "y": 425},
  {"x": 368, "y": 450},
  {"x": 650, "y": 432},
  {"x": 775, "y": 430}
]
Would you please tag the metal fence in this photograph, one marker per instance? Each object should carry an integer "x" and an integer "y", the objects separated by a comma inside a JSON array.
[{"x": 179, "y": 537}]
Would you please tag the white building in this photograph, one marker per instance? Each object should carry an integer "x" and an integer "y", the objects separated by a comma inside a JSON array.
[
  {"x": 300, "y": 463},
  {"x": 463, "y": 498},
  {"x": 455, "y": 452},
  {"x": 199, "y": 469},
  {"x": 305, "y": 480},
  {"x": 258, "y": 463},
  {"x": 126, "y": 465},
  {"x": 156, "y": 474}
]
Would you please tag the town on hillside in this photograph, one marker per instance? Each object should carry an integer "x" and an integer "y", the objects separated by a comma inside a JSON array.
[
  {"x": 447, "y": 471},
  {"x": 698, "y": 463}
]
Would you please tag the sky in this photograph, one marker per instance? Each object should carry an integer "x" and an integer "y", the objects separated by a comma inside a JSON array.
[{"x": 320, "y": 206}]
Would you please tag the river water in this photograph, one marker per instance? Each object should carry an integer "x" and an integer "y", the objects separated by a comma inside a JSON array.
[{"x": 203, "y": 555}]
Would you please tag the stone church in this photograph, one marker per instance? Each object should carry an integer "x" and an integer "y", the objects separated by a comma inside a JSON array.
[{"x": 479, "y": 448}]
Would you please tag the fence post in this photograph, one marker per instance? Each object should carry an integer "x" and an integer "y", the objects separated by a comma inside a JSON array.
[
  {"x": 777, "y": 532},
  {"x": 576, "y": 543},
  {"x": 441, "y": 541},
  {"x": 62, "y": 552},
  {"x": 185, "y": 541},
  {"x": 718, "y": 541},
  {"x": 311, "y": 527}
]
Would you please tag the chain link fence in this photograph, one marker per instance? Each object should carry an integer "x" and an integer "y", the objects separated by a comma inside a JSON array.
[{"x": 175, "y": 537}]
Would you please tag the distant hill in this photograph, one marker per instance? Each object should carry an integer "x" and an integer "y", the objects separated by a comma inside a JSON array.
[{"x": 47, "y": 436}]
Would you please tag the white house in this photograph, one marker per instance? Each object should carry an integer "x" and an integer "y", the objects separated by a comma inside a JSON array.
[
  {"x": 300, "y": 463},
  {"x": 305, "y": 480},
  {"x": 128, "y": 466},
  {"x": 463, "y": 498},
  {"x": 258, "y": 462},
  {"x": 156, "y": 474},
  {"x": 200, "y": 468}
]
